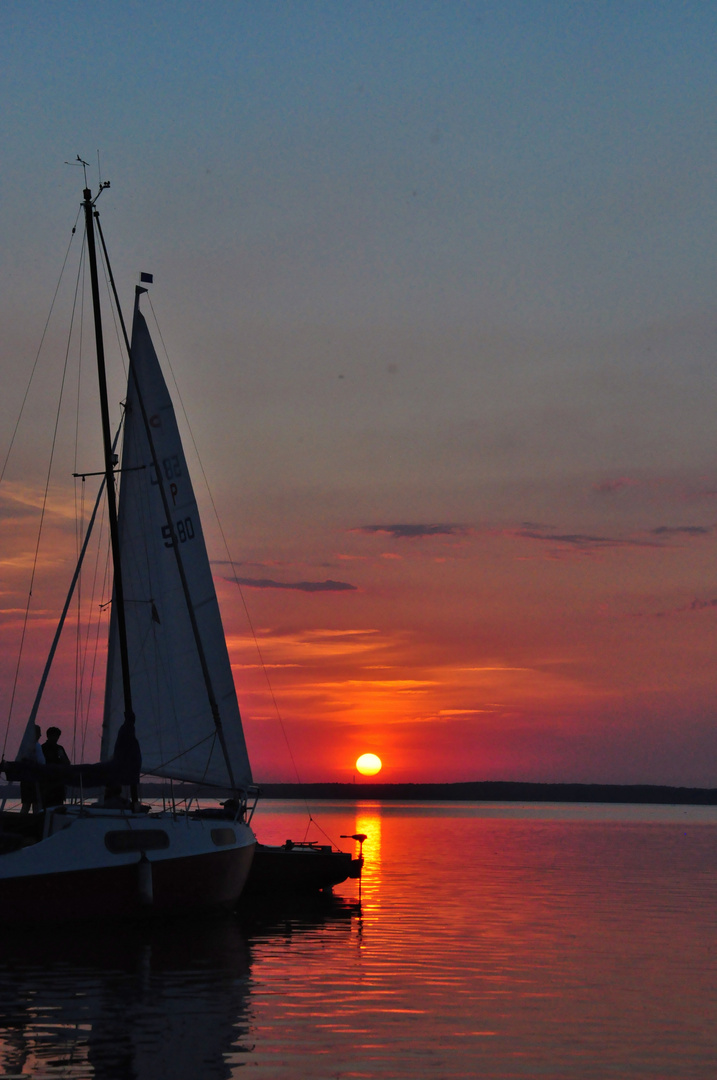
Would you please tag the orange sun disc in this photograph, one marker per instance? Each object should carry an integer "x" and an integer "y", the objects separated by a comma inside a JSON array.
[{"x": 368, "y": 764}]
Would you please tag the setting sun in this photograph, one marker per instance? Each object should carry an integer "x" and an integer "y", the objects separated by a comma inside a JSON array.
[{"x": 368, "y": 764}]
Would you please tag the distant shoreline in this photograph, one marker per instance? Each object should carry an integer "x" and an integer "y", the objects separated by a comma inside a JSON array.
[
  {"x": 467, "y": 791},
  {"x": 498, "y": 791}
]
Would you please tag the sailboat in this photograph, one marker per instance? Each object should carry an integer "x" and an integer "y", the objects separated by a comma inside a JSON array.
[{"x": 170, "y": 705}]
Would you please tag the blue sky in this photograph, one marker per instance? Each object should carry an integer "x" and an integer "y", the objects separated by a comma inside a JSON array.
[{"x": 530, "y": 163}]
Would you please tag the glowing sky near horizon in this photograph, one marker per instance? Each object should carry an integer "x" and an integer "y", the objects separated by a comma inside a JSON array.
[{"x": 437, "y": 282}]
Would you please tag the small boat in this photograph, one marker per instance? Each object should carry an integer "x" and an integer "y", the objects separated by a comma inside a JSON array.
[
  {"x": 296, "y": 867},
  {"x": 299, "y": 867},
  {"x": 170, "y": 705}
]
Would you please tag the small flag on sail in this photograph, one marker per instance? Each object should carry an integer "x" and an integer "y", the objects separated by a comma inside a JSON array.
[{"x": 149, "y": 278}]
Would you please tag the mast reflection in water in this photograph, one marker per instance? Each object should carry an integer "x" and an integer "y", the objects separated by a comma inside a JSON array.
[{"x": 494, "y": 941}]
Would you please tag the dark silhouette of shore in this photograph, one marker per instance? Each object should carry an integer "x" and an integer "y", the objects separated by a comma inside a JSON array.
[
  {"x": 498, "y": 791},
  {"x": 469, "y": 791}
]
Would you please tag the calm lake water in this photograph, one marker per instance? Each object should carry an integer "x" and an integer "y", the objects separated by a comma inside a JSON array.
[{"x": 493, "y": 941}]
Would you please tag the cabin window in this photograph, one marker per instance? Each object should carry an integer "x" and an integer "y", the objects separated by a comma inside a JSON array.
[
  {"x": 223, "y": 837},
  {"x": 136, "y": 840}
]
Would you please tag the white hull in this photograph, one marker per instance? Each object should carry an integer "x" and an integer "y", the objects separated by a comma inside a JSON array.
[{"x": 95, "y": 863}]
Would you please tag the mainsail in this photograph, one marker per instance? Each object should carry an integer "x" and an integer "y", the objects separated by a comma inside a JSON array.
[{"x": 187, "y": 715}]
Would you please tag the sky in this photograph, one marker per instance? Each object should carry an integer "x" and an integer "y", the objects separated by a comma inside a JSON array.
[{"x": 437, "y": 285}]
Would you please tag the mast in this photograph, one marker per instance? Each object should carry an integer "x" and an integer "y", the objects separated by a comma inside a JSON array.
[{"x": 88, "y": 206}]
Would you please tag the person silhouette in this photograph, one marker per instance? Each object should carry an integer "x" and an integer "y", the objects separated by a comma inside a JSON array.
[
  {"x": 54, "y": 791},
  {"x": 29, "y": 788}
]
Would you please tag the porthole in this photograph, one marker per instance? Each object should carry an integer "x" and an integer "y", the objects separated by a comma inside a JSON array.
[{"x": 120, "y": 842}]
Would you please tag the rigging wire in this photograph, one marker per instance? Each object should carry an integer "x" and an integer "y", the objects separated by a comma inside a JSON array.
[
  {"x": 235, "y": 578},
  {"x": 113, "y": 306},
  {"x": 44, "y": 506},
  {"x": 80, "y": 662},
  {"x": 226, "y": 548},
  {"x": 39, "y": 348}
]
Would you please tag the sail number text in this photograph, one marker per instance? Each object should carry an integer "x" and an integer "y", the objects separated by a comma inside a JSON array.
[
  {"x": 172, "y": 469},
  {"x": 184, "y": 529}
]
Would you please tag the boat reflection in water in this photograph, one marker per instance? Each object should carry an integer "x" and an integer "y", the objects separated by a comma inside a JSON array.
[
  {"x": 131, "y": 1001},
  {"x": 139, "y": 1002}
]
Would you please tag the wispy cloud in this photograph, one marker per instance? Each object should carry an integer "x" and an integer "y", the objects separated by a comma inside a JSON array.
[
  {"x": 695, "y": 605},
  {"x": 657, "y": 488},
  {"x": 682, "y": 530},
  {"x": 444, "y": 714},
  {"x": 281, "y": 646},
  {"x": 298, "y": 586},
  {"x": 18, "y": 501},
  {"x": 583, "y": 541},
  {"x": 405, "y": 531},
  {"x": 657, "y": 537}
]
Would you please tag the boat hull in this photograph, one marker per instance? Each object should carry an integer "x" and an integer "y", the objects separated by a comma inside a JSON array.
[
  {"x": 296, "y": 868},
  {"x": 124, "y": 866}
]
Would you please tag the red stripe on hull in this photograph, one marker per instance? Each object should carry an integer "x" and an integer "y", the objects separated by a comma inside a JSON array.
[{"x": 212, "y": 880}]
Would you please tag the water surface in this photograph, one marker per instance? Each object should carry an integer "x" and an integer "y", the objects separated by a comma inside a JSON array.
[{"x": 491, "y": 940}]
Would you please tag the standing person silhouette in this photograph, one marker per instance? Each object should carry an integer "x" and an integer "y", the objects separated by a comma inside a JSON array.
[
  {"x": 29, "y": 788},
  {"x": 53, "y": 791}
]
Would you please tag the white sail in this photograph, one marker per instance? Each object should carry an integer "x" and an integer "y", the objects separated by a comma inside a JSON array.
[{"x": 171, "y": 697}]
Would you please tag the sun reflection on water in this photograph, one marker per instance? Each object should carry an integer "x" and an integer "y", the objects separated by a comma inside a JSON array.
[{"x": 368, "y": 823}]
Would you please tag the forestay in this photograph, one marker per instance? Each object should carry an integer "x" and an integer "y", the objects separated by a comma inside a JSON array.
[{"x": 174, "y": 722}]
